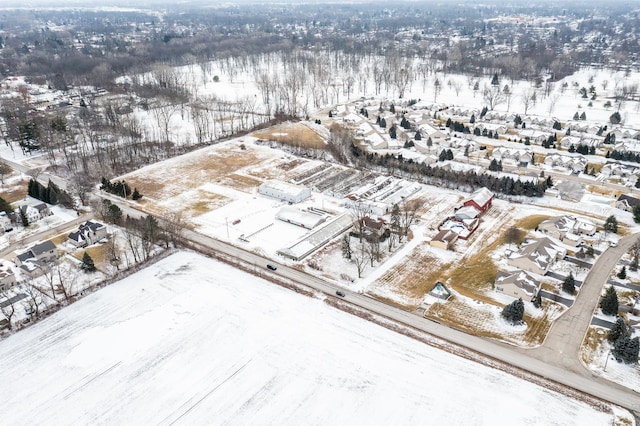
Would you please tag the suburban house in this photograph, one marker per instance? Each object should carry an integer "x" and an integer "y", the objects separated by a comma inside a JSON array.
[
  {"x": 463, "y": 227},
  {"x": 626, "y": 202},
  {"x": 374, "y": 229},
  {"x": 34, "y": 268},
  {"x": 45, "y": 252},
  {"x": 567, "y": 229},
  {"x": 537, "y": 256},
  {"x": 43, "y": 210},
  {"x": 518, "y": 284},
  {"x": 31, "y": 213},
  {"x": 88, "y": 233},
  {"x": 481, "y": 199},
  {"x": 444, "y": 239},
  {"x": 7, "y": 277}
]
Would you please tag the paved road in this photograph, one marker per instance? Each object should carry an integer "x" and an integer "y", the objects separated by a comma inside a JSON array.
[
  {"x": 547, "y": 364},
  {"x": 565, "y": 337},
  {"x": 45, "y": 234}
]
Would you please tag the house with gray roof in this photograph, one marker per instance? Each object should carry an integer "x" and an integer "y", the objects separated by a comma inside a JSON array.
[
  {"x": 517, "y": 284},
  {"x": 538, "y": 255},
  {"x": 45, "y": 251}
]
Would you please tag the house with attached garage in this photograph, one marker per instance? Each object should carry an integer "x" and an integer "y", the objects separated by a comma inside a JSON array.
[
  {"x": 517, "y": 284},
  {"x": 538, "y": 255},
  {"x": 88, "y": 233},
  {"x": 567, "y": 229},
  {"x": 45, "y": 252}
]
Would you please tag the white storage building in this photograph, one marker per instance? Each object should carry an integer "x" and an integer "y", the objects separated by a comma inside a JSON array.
[{"x": 284, "y": 191}]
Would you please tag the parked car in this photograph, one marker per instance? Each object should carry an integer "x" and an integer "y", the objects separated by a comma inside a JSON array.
[
  {"x": 339, "y": 293},
  {"x": 272, "y": 267},
  {"x": 235, "y": 222}
]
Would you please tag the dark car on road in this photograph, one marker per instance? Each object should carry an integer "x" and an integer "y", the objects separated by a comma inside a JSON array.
[
  {"x": 339, "y": 293},
  {"x": 272, "y": 267}
]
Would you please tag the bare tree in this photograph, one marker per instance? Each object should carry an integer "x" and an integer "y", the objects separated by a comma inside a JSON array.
[
  {"x": 8, "y": 310},
  {"x": 528, "y": 97},
  {"x": 360, "y": 258},
  {"x": 493, "y": 96},
  {"x": 456, "y": 85},
  {"x": 359, "y": 211},
  {"x": 173, "y": 226},
  {"x": 408, "y": 213}
]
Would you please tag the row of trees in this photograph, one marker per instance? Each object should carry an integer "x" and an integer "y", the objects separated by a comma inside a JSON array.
[
  {"x": 438, "y": 175},
  {"x": 121, "y": 189},
  {"x": 50, "y": 194}
]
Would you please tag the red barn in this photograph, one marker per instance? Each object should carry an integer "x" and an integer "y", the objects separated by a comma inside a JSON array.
[{"x": 480, "y": 199}]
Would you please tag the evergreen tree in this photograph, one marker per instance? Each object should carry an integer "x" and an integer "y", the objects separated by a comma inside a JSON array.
[
  {"x": 383, "y": 123},
  {"x": 626, "y": 350},
  {"x": 23, "y": 218},
  {"x": 5, "y": 206},
  {"x": 576, "y": 116},
  {"x": 617, "y": 331},
  {"x": 557, "y": 125},
  {"x": 418, "y": 136},
  {"x": 493, "y": 166},
  {"x": 449, "y": 122},
  {"x": 442, "y": 156},
  {"x": 429, "y": 142},
  {"x": 633, "y": 265},
  {"x": 346, "y": 247},
  {"x": 514, "y": 312},
  {"x": 87, "y": 263},
  {"x": 611, "y": 224},
  {"x": 623, "y": 273},
  {"x": 609, "y": 302},
  {"x": 136, "y": 195},
  {"x": 494, "y": 80},
  {"x": 392, "y": 108},
  {"x": 583, "y": 116},
  {"x": 537, "y": 301},
  {"x": 615, "y": 118},
  {"x": 569, "y": 284},
  {"x": 392, "y": 132},
  {"x": 472, "y": 119},
  {"x": 636, "y": 209}
]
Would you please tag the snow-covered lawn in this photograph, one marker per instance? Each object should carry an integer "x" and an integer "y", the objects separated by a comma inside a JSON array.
[{"x": 195, "y": 341}]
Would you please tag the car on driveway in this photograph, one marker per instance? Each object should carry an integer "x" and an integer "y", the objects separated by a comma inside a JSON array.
[
  {"x": 272, "y": 267},
  {"x": 339, "y": 293}
]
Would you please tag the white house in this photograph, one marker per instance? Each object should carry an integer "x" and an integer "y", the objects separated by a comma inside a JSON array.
[{"x": 88, "y": 233}]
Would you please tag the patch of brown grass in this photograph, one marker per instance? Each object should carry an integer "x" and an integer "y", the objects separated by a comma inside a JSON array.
[
  {"x": 412, "y": 278},
  {"x": 531, "y": 222},
  {"x": 602, "y": 191},
  {"x": 98, "y": 253},
  {"x": 13, "y": 193},
  {"x": 203, "y": 203},
  {"x": 294, "y": 134},
  {"x": 242, "y": 182},
  {"x": 192, "y": 171},
  {"x": 595, "y": 337}
]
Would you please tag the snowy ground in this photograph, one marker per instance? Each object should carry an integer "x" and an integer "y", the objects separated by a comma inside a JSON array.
[{"x": 194, "y": 341}]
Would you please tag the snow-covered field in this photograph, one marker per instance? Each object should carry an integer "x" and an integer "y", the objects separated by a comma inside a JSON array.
[{"x": 192, "y": 341}]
